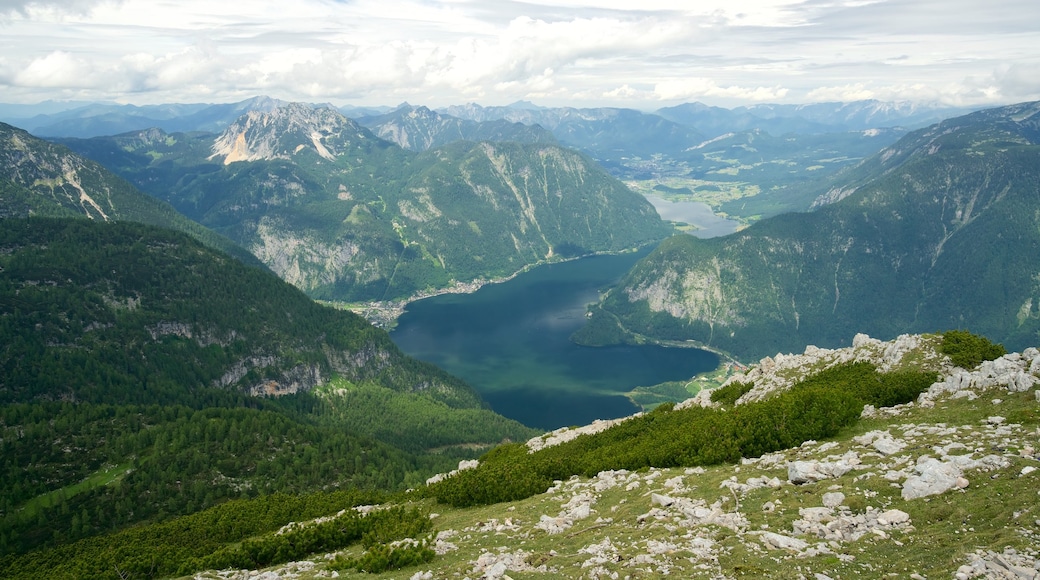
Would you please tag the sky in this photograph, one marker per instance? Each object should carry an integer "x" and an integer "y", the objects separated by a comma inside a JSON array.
[{"x": 643, "y": 54}]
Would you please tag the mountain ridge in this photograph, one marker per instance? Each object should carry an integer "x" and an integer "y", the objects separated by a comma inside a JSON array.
[
  {"x": 938, "y": 223},
  {"x": 348, "y": 216}
]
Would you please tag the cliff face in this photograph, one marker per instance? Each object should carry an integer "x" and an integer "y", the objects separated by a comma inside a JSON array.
[{"x": 938, "y": 231}]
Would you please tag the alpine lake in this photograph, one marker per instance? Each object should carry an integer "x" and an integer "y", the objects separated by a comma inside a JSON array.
[{"x": 511, "y": 342}]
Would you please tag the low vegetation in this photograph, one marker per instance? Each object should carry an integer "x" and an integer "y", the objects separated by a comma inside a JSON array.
[{"x": 817, "y": 408}]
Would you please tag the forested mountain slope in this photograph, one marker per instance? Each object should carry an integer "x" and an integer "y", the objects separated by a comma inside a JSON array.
[
  {"x": 345, "y": 215},
  {"x": 937, "y": 231},
  {"x": 137, "y": 370},
  {"x": 38, "y": 177}
]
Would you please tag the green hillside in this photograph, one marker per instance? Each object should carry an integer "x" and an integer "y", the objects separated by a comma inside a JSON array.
[
  {"x": 882, "y": 460},
  {"x": 144, "y": 375},
  {"x": 937, "y": 231},
  {"x": 347, "y": 216},
  {"x": 41, "y": 178}
]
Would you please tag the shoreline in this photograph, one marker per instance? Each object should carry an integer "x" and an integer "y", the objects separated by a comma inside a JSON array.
[{"x": 384, "y": 313}]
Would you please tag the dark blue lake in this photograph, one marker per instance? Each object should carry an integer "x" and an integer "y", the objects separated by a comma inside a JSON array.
[{"x": 510, "y": 341}]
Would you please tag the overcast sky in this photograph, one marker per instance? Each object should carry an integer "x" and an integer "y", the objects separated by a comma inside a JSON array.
[{"x": 644, "y": 54}]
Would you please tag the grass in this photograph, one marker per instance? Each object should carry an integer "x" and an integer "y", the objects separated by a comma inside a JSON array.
[
  {"x": 104, "y": 476},
  {"x": 997, "y": 511}
]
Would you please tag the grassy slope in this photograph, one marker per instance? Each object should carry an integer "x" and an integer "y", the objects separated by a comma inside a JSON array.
[
  {"x": 629, "y": 534},
  {"x": 722, "y": 532}
]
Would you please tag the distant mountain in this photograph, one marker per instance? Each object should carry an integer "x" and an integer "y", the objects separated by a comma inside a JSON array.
[
  {"x": 605, "y": 133},
  {"x": 808, "y": 118},
  {"x": 861, "y": 115},
  {"x": 716, "y": 121},
  {"x": 346, "y": 215},
  {"x": 41, "y": 178},
  {"x": 102, "y": 119},
  {"x": 937, "y": 231},
  {"x": 419, "y": 129}
]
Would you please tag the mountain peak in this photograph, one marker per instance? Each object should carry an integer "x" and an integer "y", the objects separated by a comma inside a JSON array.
[{"x": 282, "y": 132}]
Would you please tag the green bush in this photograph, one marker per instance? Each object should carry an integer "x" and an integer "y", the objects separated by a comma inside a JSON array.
[
  {"x": 383, "y": 557},
  {"x": 729, "y": 394},
  {"x": 968, "y": 350},
  {"x": 816, "y": 408}
]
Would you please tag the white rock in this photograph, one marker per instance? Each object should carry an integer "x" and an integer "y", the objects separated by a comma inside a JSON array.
[
  {"x": 833, "y": 499},
  {"x": 889, "y": 446},
  {"x": 661, "y": 500},
  {"x": 781, "y": 542},
  {"x": 554, "y": 526},
  {"x": 933, "y": 477},
  {"x": 1028, "y": 469},
  {"x": 809, "y": 471},
  {"x": 893, "y": 518}
]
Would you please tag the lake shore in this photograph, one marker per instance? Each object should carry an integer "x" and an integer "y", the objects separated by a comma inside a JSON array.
[{"x": 384, "y": 313}]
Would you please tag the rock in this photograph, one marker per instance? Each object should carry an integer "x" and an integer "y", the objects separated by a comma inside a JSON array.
[
  {"x": 661, "y": 500},
  {"x": 580, "y": 512},
  {"x": 889, "y": 446},
  {"x": 933, "y": 477},
  {"x": 781, "y": 542},
  {"x": 554, "y": 526},
  {"x": 1028, "y": 469},
  {"x": 833, "y": 499},
  {"x": 496, "y": 571},
  {"x": 799, "y": 472},
  {"x": 816, "y": 514},
  {"x": 893, "y": 518}
]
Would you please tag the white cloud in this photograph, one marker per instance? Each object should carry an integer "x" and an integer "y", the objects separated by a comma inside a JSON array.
[
  {"x": 576, "y": 52},
  {"x": 57, "y": 69},
  {"x": 699, "y": 87}
]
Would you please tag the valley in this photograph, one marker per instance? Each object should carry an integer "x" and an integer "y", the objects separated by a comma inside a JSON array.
[
  {"x": 511, "y": 341},
  {"x": 181, "y": 380}
]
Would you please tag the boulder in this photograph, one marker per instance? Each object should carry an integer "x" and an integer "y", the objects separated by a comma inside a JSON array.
[
  {"x": 799, "y": 472},
  {"x": 933, "y": 478},
  {"x": 833, "y": 499},
  {"x": 893, "y": 518},
  {"x": 781, "y": 542}
]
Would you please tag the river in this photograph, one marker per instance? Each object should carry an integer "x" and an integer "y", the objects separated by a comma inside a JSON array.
[{"x": 510, "y": 341}]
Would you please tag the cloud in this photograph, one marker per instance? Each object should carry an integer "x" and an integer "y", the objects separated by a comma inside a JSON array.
[
  {"x": 573, "y": 52},
  {"x": 53, "y": 8},
  {"x": 698, "y": 87},
  {"x": 57, "y": 69}
]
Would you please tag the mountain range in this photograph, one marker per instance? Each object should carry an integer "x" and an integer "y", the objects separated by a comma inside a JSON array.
[
  {"x": 347, "y": 216},
  {"x": 937, "y": 231},
  {"x": 171, "y": 401}
]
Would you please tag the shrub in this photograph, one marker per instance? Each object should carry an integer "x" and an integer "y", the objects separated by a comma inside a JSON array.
[
  {"x": 382, "y": 557},
  {"x": 968, "y": 350},
  {"x": 729, "y": 394}
]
